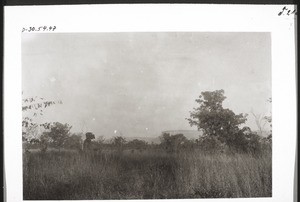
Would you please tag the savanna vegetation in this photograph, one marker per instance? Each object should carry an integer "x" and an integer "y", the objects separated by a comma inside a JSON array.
[{"x": 229, "y": 160}]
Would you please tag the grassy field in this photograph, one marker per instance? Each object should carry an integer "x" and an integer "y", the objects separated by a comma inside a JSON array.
[{"x": 150, "y": 174}]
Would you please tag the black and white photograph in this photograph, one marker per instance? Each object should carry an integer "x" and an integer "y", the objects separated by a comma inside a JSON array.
[
  {"x": 154, "y": 115},
  {"x": 152, "y": 102}
]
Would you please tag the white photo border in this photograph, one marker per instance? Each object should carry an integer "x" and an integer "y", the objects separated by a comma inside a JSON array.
[{"x": 160, "y": 18}]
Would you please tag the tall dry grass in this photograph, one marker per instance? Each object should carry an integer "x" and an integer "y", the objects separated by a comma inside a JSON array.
[{"x": 148, "y": 175}]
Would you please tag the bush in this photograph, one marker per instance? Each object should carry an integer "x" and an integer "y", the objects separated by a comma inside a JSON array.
[
  {"x": 73, "y": 142},
  {"x": 173, "y": 143},
  {"x": 211, "y": 144},
  {"x": 245, "y": 141}
]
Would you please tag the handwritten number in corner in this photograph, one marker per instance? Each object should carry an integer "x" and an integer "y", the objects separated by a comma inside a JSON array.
[
  {"x": 39, "y": 29},
  {"x": 286, "y": 11}
]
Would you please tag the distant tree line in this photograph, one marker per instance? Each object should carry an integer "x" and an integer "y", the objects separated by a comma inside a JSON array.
[{"x": 222, "y": 132}]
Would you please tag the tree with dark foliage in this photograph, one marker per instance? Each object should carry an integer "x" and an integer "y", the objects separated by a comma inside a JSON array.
[
  {"x": 137, "y": 144},
  {"x": 221, "y": 123},
  {"x": 58, "y": 134},
  {"x": 173, "y": 143},
  {"x": 74, "y": 142}
]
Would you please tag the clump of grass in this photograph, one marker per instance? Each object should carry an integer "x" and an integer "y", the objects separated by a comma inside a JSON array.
[
  {"x": 150, "y": 175},
  {"x": 227, "y": 176}
]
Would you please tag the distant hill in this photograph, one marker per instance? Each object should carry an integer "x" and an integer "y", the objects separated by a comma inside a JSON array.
[
  {"x": 189, "y": 134},
  {"x": 155, "y": 140}
]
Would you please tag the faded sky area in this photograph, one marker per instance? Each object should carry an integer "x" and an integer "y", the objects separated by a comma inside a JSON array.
[{"x": 140, "y": 84}]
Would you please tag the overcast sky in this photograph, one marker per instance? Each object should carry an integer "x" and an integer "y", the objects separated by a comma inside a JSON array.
[{"x": 140, "y": 84}]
